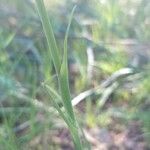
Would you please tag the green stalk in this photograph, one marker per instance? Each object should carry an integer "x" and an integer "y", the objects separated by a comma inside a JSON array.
[
  {"x": 62, "y": 73},
  {"x": 64, "y": 81},
  {"x": 53, "y": 49}
]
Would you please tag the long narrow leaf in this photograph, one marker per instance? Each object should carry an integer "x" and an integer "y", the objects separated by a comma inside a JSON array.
[
  {"x": 65, "y": 91},
  {"x": 53, "y": 49},
  {"x": 64, "y": 82},
  {"x": 54, "y": 96}
]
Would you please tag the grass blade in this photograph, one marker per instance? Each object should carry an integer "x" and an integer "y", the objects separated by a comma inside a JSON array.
[
  {"x": 64, "y": 82},
  {"x": 53, "y": 49},
  {"x": 65, "y": 92}
]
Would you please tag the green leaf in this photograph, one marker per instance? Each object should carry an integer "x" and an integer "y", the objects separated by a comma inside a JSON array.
[
  {"x": 53, "y": 49},
  {"x": 64, "y": 82}
]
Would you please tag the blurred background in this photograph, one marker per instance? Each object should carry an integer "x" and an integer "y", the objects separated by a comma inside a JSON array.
[{"x": 108, "y": 53}]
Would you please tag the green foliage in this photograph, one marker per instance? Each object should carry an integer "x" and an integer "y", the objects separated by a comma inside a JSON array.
[
  {"x": 62, "y": 74},
  {"x": 118, "y": 33}
]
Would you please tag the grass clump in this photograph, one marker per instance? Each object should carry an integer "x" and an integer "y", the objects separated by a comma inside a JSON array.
[{"x": 62, "y": 75}]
